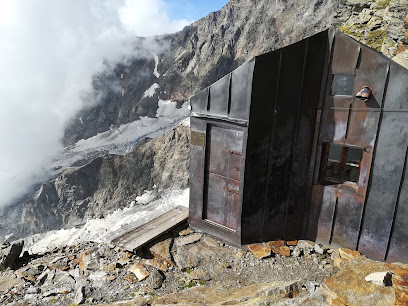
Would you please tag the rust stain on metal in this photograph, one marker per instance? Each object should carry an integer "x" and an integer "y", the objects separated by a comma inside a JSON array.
[{"x": 234, "y": 152}]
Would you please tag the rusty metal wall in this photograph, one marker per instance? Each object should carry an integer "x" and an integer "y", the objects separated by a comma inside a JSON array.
[
  {"x": 384, "y": 232},
  {"x": 274, "y": 98},
  {"x": 286, "y": 92},
  {"x": 371, "y": 214},
  {"x": 337, "y": 208},
  {"x": 260, "y": 149}
]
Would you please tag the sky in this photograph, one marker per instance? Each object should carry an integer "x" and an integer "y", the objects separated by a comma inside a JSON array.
[
  {"x": 49, "y": 51},
  {"x": 193, "y": 9}
]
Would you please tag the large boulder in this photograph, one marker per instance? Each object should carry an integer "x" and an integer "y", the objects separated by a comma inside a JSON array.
[{"x": 9, "y": 253}]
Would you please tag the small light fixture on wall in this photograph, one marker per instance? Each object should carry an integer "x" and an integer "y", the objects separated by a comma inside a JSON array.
[{"x": 364, "y": 93}]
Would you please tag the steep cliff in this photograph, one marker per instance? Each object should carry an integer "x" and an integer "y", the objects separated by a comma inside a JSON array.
[{"x": 108, "y": 183}]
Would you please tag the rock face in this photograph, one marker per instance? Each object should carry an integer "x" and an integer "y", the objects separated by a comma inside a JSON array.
[
  {"x": 379, "y": 24},
  {"x": 108, "y": 183},
  {"x": 213, "y": 46},
  {"x": 349, "y": 286},
  {"x": 9, "y": 253}
]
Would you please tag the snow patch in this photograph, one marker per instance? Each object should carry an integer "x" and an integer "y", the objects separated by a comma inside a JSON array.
[
  {"x": 151, "y": 91},
  {"x": 116, "y": 223},
  {"x": 123, "y": 138},
  {"x": 146, "y": 197},
  {"x": 156, "y": 64}
]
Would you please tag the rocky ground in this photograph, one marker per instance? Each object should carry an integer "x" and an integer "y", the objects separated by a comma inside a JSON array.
[{"x": 192, "y": 268}]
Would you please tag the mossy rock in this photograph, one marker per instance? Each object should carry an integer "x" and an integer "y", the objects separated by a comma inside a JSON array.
[{"x": 382, "y": 4}]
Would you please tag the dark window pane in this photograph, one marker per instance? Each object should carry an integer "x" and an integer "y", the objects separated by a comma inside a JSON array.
[
  {"x": 333, "y": 171},
  {"x": 352, "y": 169},
  {"x": 333, "y": 168},
  {"x": 342, "y": 164},
  {"x": 335, "y": 153},
  {"x": 354, "y": 155}
]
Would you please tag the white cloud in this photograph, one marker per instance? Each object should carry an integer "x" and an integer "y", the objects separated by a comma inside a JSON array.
[
  {"x": 49, "y": 51},
  {"x": 137, "y": 14}
]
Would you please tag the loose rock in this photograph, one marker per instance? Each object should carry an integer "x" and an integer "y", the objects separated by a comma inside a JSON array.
[
  {"x": 9, "y": 253},
  {"x": 306, "y": 244},
  {"x": 155, "y": 279},
  {"x": 318, "y": 249},
  {"x": 139, "y": 271},
  {"x": 297, "y": 252},
  {"x": 156, "y": 263},
  {"x": 80, "y": 296},
  {"x": 259, "y": 251},
  {"x": 185, "y": 258},
  {"x": 184, "y": 240},
  {"x": 211, "y": 242},
  {"x": 276, "y": 244},
  {"x": 348, "y": 254},
  {"x": 161, "y": 250},
  {"x": 380, "y": 278},
  {"x": 186, "y": 232},
  {"x": 283, "y": 251}
]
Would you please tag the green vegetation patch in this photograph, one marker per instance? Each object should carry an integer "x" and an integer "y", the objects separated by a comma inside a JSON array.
[
  {"x": 383, "y": 4},
  {"x": 373, "y": 39}
]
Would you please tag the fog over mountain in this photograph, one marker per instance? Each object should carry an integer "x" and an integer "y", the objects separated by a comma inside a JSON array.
[{"x": 49, "y": 53}]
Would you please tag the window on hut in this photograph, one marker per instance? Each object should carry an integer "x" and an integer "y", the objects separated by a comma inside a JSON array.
[{"x": 340, "y": 164}]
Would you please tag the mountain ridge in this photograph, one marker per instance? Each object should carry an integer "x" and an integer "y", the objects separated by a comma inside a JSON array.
[
  {"x": 213, "y": 46},
  {"x": 198, "y": 55}
]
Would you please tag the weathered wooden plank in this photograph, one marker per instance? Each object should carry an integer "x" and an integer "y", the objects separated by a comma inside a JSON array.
[{"x": 145, "y": 233}]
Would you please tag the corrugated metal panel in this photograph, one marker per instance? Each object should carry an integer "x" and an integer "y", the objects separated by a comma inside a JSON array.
[
  {"x": 241, "y": 90},
  {"x": 294, "y": 106},
  {"x": 385, "y": 181},
  {"x": 220, "y": 97},
  {"x": 372, "y": 70},
  {"x": 283, "y": 139},
  {"x": 345, "y": 55}
]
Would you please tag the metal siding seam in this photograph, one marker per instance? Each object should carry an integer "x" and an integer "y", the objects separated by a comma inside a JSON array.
[
  {"x": 387, "y": 79},
  {"x": 272, "y": 141},
  {"x": 396, "y": 204},
  {"x": 318, "y": 127},
  {"x": 296, "y": 133}
]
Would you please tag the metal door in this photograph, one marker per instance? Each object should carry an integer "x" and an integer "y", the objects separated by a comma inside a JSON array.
[{"x": 223, "y": 175}]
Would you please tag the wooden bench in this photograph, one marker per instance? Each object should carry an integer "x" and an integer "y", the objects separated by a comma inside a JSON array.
[{"x": 139, "y": 236}]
